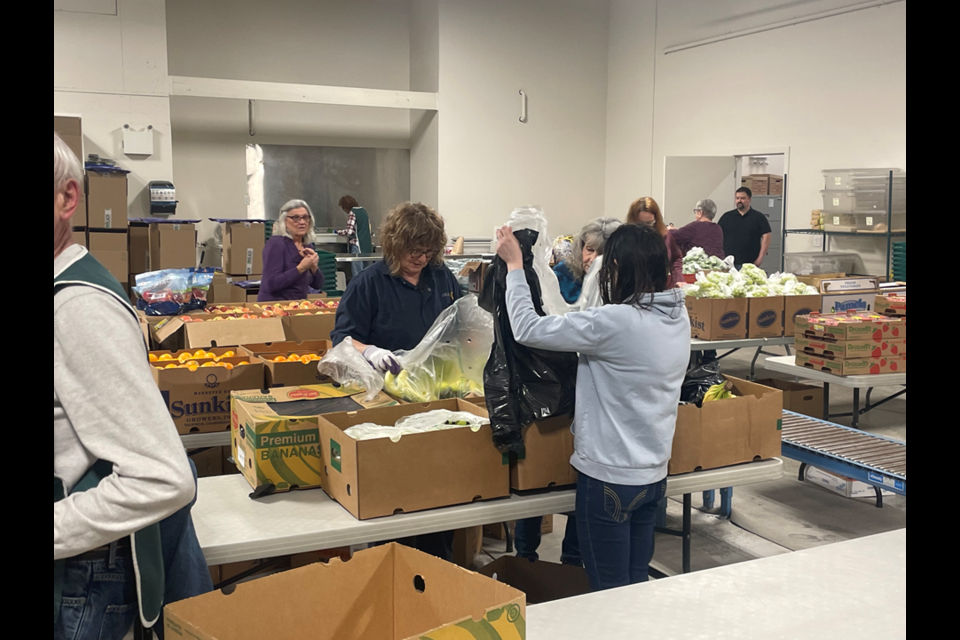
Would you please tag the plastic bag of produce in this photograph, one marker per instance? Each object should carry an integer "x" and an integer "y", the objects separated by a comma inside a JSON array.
[
  {"x": 172, "y": 292},
  {"x": 698, "y": 381},
  {"x": 522, "y": 385},
  {"x": 345, "y": 365}
]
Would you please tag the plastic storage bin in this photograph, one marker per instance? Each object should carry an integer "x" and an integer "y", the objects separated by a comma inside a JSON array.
[
  {"x": 865, "y": 200},
  {"x": 864, "y": 222},
  {"x": 805, "y": 264},
  {"x": 842, "y": 179}
]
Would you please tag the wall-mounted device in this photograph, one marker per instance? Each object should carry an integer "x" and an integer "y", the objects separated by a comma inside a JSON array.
[
  {"x": 137, "y": 143},
  {"x": 163, "y": 198}
]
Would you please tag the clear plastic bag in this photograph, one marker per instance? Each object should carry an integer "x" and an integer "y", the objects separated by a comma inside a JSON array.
[
  {"x": 590, "y": 292},
  {"x": 345, "y": 365},
  {"x": 534, "y": 219},
  {"x": 173, "y": 291},
  {"x": 439, "y": 420},
  {"x": 449, "y": 361}
]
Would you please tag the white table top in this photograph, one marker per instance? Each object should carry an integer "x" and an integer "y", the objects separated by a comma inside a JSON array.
[
  {"x": 231, "y": 527},
  {"x": 787, "y": 364},
  {"x": 696, "y": 344},
  {"x": 854, "y": 589}
]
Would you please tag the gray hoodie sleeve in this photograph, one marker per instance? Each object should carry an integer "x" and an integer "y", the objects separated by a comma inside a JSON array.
[
  {"x": 112, "y": 410},
  {"x": 576, "y": 331}
]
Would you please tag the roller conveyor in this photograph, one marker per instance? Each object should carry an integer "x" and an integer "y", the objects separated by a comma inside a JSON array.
[{"x": 878, "y": 461}]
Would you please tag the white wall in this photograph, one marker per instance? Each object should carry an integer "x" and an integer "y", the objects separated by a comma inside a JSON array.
[
  {"x": 490, "y": 163},
  {"x": 424, "y": 76},
  {"x": 833, "y": 91},
  {"x": 111, "y": 69}
]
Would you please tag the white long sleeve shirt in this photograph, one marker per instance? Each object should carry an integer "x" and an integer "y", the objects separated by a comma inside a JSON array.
[{"x": 106, "y": 406}]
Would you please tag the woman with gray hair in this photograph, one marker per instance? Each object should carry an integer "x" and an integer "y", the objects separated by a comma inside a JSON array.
[
  {"x": 703, "y": 232},
  {"x": 586, "y": 248},
  {"x": 290, "y": 263}
]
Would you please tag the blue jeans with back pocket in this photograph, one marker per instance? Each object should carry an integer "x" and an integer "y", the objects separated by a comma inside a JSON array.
[
  {"x": 99, "y": 597},
  {"x": 615, "y": 524}
]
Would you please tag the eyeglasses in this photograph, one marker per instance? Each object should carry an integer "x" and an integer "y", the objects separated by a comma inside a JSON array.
[
  {"x": 299, "y": 218},
  {"x": 416, "y": 254}
]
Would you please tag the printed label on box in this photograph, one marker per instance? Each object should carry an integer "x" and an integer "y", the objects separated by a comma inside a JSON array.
[
  {"x": 869, "y": 221},
  {"x": 838, "y": 181},
  {"x": 108, "y": 218},
  {"x": 241, "y": 457},
  {"x": 176, "y": 226},
  {"x": 836, "y": 203},
  {"x": 249, "y": 260},
  {"x": 836, "y": 219}
]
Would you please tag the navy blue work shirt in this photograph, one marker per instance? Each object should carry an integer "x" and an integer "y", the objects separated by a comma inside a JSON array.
[{"x": 385, "y": 310}]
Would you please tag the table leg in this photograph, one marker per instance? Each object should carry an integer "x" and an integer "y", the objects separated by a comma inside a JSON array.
[
  {"x": 508, "y": 537},
  {"x": 687, "y": 526},
  {"x": 856, "y": 408},
  {"x": 753, "y": 364},
  {"x": 709, "y": 499},
  {"x": 803, "y": 467},
  {"x": 879, "y": 497},
  {"x": 726, "y": 502},
  {"x": 826, "y": 400}
]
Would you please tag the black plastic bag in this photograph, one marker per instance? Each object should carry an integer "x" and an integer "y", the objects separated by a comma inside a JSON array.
[
  {"x": 522, "y": 385},
  {"x": 698, "y": 380}
]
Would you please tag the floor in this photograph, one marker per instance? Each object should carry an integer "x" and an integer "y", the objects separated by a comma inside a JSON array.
[{"x": 773, "y": 517}]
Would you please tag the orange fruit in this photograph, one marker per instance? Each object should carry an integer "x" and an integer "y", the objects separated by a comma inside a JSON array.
[
  {"x": 152, "y": 357},
  {"x": 228, "y": 354},
  {"x": 240, "y": 364},
  {"x": 227, "y": 365},
  {"x": 199, "y": 353},
  {"x": 192, "y": 367},
  {"x": 171, "y": 366},
  {"x": 183, "y": 357},
  {"x": 192, "y": 363},
  {"x": 208, "y": 364},
  {"x": 293, "y": 358},
  {"x": 280, "y": 359},
  {"x": 165, "y": 356}
]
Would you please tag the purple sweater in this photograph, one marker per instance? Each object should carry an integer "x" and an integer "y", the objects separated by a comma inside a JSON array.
[
  {"x": 706, "y": 235},
  {"x": 281, "y": 280}
]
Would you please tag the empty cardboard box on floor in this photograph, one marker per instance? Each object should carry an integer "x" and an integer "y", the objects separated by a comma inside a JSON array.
[
  {"x": 717, "y": 319},
  {"x": 540, "y": 581},
  {"x": 243, "y": 243},
  {"x": 731, "y": 431},
  {"x": 173, "y": 245},
  {"x": 379, "y": 477},
  {"x": 765, "y": 317},
  {"x": 388, "y": 592},
  {"x": 279, "y": 452},
  {"x": 546, "y": 463},
  {"x": 290, "y": 374},
  {"x": 106, "y": 200},
  {"x": 799, "y": 398}
]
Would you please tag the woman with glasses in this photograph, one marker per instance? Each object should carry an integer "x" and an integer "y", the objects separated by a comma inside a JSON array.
[
  {"x": 703, "y": 232},
  {"x": 290, "y": 264},
  {"x": 391, "y": 305}
]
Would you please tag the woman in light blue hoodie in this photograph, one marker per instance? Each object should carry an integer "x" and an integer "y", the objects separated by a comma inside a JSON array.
[{"x": 634, "y": 352}]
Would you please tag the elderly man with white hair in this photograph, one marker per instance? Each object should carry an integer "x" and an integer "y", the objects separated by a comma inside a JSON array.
[
  {"x": 290, "y": 263},
  {"x": 122, "y": 484},
  {"x": 703, "y": 232}
]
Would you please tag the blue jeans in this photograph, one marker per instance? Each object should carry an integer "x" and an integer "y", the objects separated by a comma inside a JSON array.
[
  {"x": 616, "y": 523},
  {"x": 99, "y": 597},
  {"x": 527, "y": 540},
  {"x": 355, "y": 267}
]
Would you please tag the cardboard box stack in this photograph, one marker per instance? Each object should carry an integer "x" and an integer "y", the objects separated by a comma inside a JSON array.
[
  {"x": 110, "y": 249},
  {"x": 763, "y": 184},
  {"x": 243, "y": 242},
  {"x": 70, "y": 129},
  {"x": 852, "y": 343}
]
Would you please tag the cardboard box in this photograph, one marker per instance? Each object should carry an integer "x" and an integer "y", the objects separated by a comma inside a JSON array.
[
  {"x": 290, "y": 374},
  {"x": 373, "y": 478},
  {"x": 724, "y": 319},
  {"x": 70, "y": 130},
  {"x": 799, "y": 398},
  {"x": 794, "y": 306},
  {"x": 815, "y": 279},
  {"x": 891, "y": 305},
  {"x": 106, "y": 200},
  {"x": 848, "y": 294},
  {"x": 110, "y": 250},
  {"x": 847, "y": 487},
  {"x": 475, "y": 271},
  {"x": 851, "y": 326},
  {"x": 467, "y": 543},
  {"x": 775, "y": 186},
  {"x": 199, "y": 401},
  {"x": 80, "y": 237},
  {"x": 727, "y": 432},
  {"x": 848, "y": 349},
  {"x": 209, "y": 463},
  {"x": 243, "y": 247},
  {"x": 765, "y": 317},
  {"x": 138, "y": 247},
  {"x": 853, "y": 366},
  {"x": 226, "y": 333},
  {"x": 541, "y": 581},
  {"x": 546, "y": 463},
  {"x": 173, "y": 245},
  {"x": 389, "y": 592},
  {"x": 279, "y": 452},
  {"x": 758, "y": 184},
  {"x": 299, "y": 328}
]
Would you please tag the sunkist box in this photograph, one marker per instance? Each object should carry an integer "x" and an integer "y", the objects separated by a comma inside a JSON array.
[
  {"x": 277, "y": 451},
  {"x": 106, "y": 200},
  {"x": 853, "y": 366},
  {"x": 731, "y": 431},
  {"x": 243, "y": 242},
  {"x": 765, "y": 317},
  {"x": 110, "y": 250},
  {"x": 199, "y": 401},
  {"x": 173, "y": 244},
  {"x": 847, "y": 349},
  {"x": 389, "y": 592},
  {"x": 717, "y": 319},
  {"x": 290, "y": 374},
  {"x": 794, "y": 306},
  {"x": 373, "y": 478}
]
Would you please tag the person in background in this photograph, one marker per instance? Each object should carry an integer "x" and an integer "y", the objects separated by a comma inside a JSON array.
[
  {"x": 588, "y": 246},
  {"x": 703, "y": 232},
  {"x": 357, "y": 231},
  {"x": 290, "y": 264},
  {"x": 646, "y": 211},
  {"x": 391, "y": 305},
  {"x": 633, "y": 356},
  {"x": 746, "y": 231},
  {"x": 119, "y": 469}
]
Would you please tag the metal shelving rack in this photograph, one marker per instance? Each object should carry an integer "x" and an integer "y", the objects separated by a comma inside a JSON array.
[{"x": 889, "y": 235}]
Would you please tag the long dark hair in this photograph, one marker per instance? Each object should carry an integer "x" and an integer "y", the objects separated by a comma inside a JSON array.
[{"x": 635, "y": 265}]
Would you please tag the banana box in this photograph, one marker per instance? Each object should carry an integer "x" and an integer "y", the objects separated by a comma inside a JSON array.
[
  {"x": 275, "y": 434},
  {"x": 389, "y": 592}
]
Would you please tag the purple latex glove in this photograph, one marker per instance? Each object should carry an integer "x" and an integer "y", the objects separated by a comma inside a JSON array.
[{"x": 382, "y": 360}]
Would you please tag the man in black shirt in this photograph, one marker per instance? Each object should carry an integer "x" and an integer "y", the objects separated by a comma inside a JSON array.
[{"x": 746, "y": 231}]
